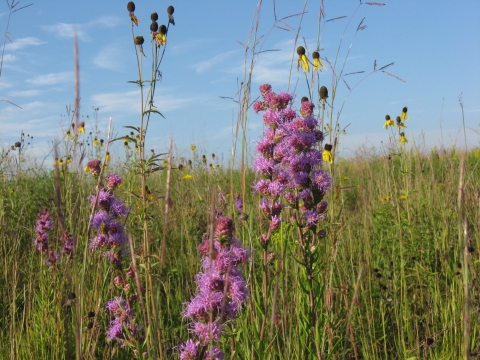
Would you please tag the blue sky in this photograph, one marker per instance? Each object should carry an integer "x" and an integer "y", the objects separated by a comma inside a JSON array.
[{"x": 434, "y": 45}]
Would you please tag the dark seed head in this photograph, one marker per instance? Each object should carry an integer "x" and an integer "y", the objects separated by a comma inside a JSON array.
[
  {"x": 471, "y": 249},
  {"x": 180, "y": 167},
  {"x": 304, "y": 99},
  {"x": 375, "y": 270},
  {"x": 459, "y": 265},
  {"x": 323, "y": 92},
  {"x": 328, "y": 147},
  {"x": 170, "y": 10},
  {"x": 404, "y": 109},
  {"x": 379, "y": 275},
  {"x": 316, "y": 55},
  {"x": 387, "y": 117},
  {"x": 131, "y": 6},
  {"x": 398, "y": 120},
  {"x": 154, "y": 26},
  {"x": 139, "y": 40},
  {"x": 301, "y": 50},
  {"x": 18, "y": 144},
  {"x": 163, "y": 29},
  {"x": 430, "y": 341},
  {"x": 89, "y": 325},
  {"x": 71, "y": 296},
  {"x": 154, "y": 16},
  {"x": 91, "y": 314}
]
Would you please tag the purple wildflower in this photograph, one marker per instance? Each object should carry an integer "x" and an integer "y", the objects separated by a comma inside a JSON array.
[
  {"x": 113, "y": 181},
  {"x": 67, "y": 240},
  {"x": 189, "y": 350},
  {"x": 239, "y": 203},
  {"x": 93, "y": 167}
]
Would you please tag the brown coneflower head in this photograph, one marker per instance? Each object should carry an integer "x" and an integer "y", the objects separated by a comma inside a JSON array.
[
  {"x": 154, "y": 16},
  {"x": 170, "y": 11},
  {"x": 131, "y": 7},
  {"x": 316, "y": 55},
  {"x": 300, "y": 50},
  {"x": 139, "y": 40},
  {"x": 154, "y": 26},
  {"x": 323, "y": 93}
]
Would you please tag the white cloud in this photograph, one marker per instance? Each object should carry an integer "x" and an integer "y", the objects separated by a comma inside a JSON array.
[
  {"x": 110, "y": 58},
  {"x": 9, "y": 58},
  {"x": 107, "y": 21},
  {"x": 217, "y": 59},
  {"x": 67, "y": 31},
  {"x": 128, "y": 102},
  {"x": 52, "y": 79},
  {"x": 23, "y": 42},
  {"x": 25, "y": 93}
]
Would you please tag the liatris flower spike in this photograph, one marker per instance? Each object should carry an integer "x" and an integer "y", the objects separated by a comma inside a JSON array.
[{"x": 221, "y": 292}]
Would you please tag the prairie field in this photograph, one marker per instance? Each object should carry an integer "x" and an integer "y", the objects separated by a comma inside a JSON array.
[{"x": 281, "y": 247}]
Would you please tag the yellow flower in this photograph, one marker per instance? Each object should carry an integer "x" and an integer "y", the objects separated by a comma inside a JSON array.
[
  {"x": 327, "y": 127},
  {"x": 317, "y": 62},
  {"x": 165, "y": 162},
  {"x": 161, "y": 37},
  {"x": 204, "y": 159},
  {"x": 327, "y": 154},
  {"x": 69, "y": 135},
  {"x": 193, "y": 148},
  {"x": 402, "y": 138},
  {"x": 401, "y": 125},
  {"x": 55, "y": 162},
  {"x": 404, "y": 115},
  {"x": 187, "y": 177},
  {"x": 218, "y": 166},
  {"x": 81, "y": 128},
  {"x": 345, "y": 178},
  {"x": 302, "y": 59},
  {"x": 69, "y": 160},
  {"x": 402, "y": 198},
  {"x": 388, "y": 122},
  {"x": 86, "y": 169},
  {"x": 107, "y": 157},
  {"x": 95, "y": 142},
  {"x": 386, "y": 198}
]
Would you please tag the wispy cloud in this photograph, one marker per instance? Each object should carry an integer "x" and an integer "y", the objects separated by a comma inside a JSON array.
[
  {"x": 25, "y": 93},
  {"x": 23, "y": 42},
  {"x": 217, "y": 59},
  {"x": 9, "y": 58},
  {"x": 52, "y": 79},
  {"x": 127, "y": 102},
  {"x": 67, "y": 30},
  {"x": 110, "y": 58}
]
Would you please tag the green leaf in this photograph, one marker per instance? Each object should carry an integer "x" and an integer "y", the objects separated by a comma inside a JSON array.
[
  {"x": 153, "y": 111},
  {"x": 126, "y": 138},
  {"x": 132, "y": 127}
]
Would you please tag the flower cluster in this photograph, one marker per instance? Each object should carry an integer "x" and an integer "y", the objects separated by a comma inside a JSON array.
[
  {"x": 44, "y": 225},
  {"x": 123, "y": 327},
  {"x": 400, "y": 124},
  {"x": 221, "y": 292},
  {"x": 288, "y": 162},
  {"x": 111, "y": 237}
]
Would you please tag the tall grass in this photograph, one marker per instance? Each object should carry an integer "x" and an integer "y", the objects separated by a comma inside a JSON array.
[{"x": 395, "y": 275}]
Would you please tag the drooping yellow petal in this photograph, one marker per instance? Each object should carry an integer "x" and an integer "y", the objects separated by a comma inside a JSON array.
[
  {"x": 161, "y": 39},
  {"x": 404, "y": 116},
  {"x": 81, "y": 130},
  {"x": 317, "y": 63},
  {"x": 302, "y": 60},
  {"x": 388, "y": 123},
  {"x": 327, "y": 156},
  {"x": 403, "y": 139}
]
